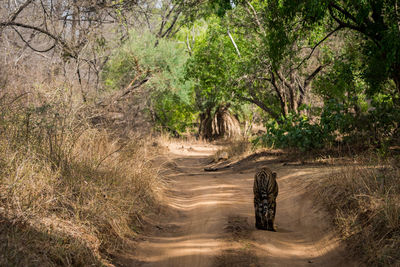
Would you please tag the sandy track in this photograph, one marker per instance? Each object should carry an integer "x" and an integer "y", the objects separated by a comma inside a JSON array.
[{"x": 210, "y": 219}]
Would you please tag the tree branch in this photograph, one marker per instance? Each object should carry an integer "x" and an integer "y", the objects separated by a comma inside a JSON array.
[
  {"x": 131, "y": 88},
  {"x": 352, "y": 27},
  {"x": 281, "y": 96},
  {"x": 29, "y": 45},
  {"x": 343, "y": 11},
  {"x": 317, "y": 44},
  {"x": 283, "y": 79},
  {"x": 55, "y": 38},
  {"x": 261, "y": 105},
  {"x": 172, "y": 24},
  {"x": 15, "y": 14},
  {"x": 312, "y": 75},
  {"x": 234, "y": 44},
  {"x": 256, "y": 17}
]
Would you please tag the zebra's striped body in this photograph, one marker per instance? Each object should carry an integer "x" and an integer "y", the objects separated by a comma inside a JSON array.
[{"x": 265, "y": 192}]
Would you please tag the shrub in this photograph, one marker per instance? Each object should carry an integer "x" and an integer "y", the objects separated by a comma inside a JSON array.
[
  {"x": 170, "y": 95},
  {"x": 294, "y": 131},
  {"x": 337, "y": 123}
]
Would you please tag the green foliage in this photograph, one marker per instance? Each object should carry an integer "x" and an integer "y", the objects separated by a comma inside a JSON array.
[
  {"x": 171, "y": 96},
  {"x": 384, "y": 119},
  {"x": 357, "y": 82},
  {"x": 194, "y": 10},
  {"x": 294, "y": 131},
  {"x": 336, "y": 117},
  {"x": 343, "y": 81},
  {"x": 172, "y": 113},
  {"x": 220, "y": 7},
  {"x": 211, "y": 65},
  {"x": 378, "y": 126},
  {"x": 374, "y": 22}
]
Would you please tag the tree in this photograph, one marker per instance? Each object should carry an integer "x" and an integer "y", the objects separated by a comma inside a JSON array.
[
  {"x": 168, "y": 95},
  {"x": 211, "y": 67},
  {"x": 267, "y": 75},
  {"x": 74, "y": 31},
  {"x": 376, "y": 22},
  {"x": 83, "y": 33}
]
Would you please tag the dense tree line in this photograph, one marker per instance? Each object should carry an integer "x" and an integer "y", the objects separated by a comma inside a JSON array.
[
  {"x": 323, "y": 71},
  {"x": 319, "y": 72}
]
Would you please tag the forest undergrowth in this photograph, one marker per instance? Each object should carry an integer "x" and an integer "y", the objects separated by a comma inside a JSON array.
[{"x": 70, "y": 194}]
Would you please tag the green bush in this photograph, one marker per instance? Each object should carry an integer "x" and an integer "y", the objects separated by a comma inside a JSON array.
[
  {"x": 338, "y": 122},
  {"x": 172, "y": 113},
  {"x": 384, "y": 119},
  {"x": 335, "y": 116},
  {"x": 294, "y": 131},
  {"x": 170, "y": 95}
]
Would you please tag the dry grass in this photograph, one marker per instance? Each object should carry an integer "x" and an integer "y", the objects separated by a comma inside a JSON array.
[
  {"x": 365, "y": 200},
  {"x": 234, "y": 150},
  {"x": 69, "y": 194}
]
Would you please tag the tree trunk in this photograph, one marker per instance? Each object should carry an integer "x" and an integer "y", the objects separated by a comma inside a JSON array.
[
  {"x": 285, "y": 109},
  {"x": 280, "y": 92},
  {"x": 396, "y": 79},
  {"x": 205, "y": 127},
  {"x": 292, "y": 96},
  {"x": 221, "y": 124},
  {"x": 225, "y": 125}
]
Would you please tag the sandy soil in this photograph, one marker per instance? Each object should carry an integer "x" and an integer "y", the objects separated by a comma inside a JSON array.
[{"x": 209, "y": 217}]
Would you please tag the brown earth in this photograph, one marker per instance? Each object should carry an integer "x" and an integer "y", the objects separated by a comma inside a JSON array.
[{"x": 208, "y": 218}]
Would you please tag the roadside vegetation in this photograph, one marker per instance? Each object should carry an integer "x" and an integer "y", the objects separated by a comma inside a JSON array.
[
  {"x": 364, "y": 200},
  {"x": 70, "y": 194}
]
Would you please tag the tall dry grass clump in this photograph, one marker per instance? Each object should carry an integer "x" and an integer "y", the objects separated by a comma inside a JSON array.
[
  {"x": 70, "y": 194},
  {"x": 366, "y": 203}
]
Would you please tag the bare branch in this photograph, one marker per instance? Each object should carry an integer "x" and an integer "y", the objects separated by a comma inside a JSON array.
[
  {"x": 312, "y": 75},
  {"x": 357, "y": 28},
  {"x": 234, "y": 44},
  {"x": 189, "y": 48},
  {"x": 283, "y": 79},
  {"x": 256, "y": 17},
  {"x": 55, "y": 38},
  {"x": 279, "y": 93},
  {"x": 131, "y": 88},
  {"x": 15, "y": 14},
  {"x": 344, "y": 12},
  {"x": 29, "y": 45},
  {"x": 172, "y": 24},
  {"x": 165, "y": 20}
]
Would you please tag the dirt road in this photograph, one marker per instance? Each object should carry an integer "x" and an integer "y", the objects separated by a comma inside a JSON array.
[{"x": 210, "y": 218}]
